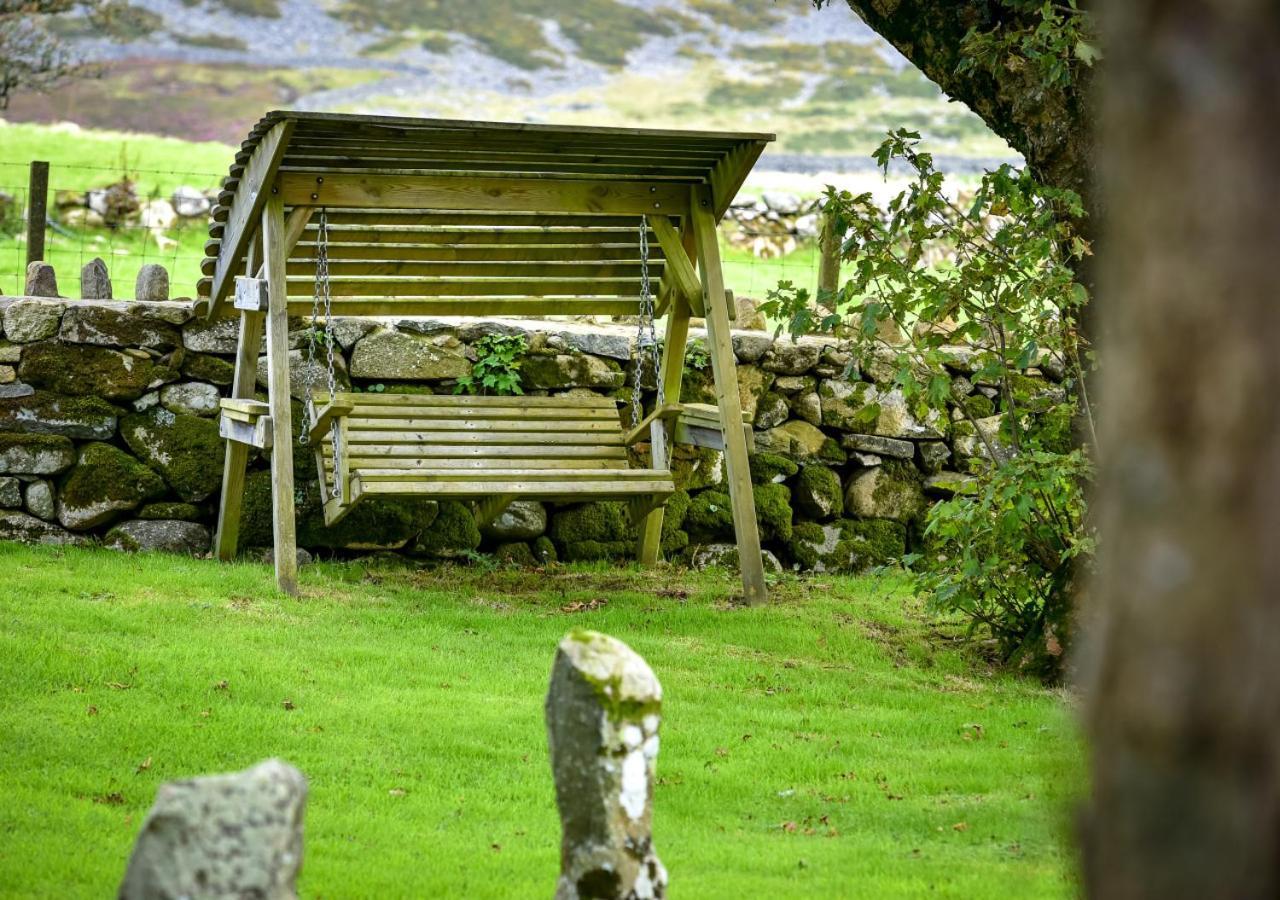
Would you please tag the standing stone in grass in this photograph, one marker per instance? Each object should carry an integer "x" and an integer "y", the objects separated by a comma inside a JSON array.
[
  {"x": 222, "y": 837},
  {"x": 603, "y": 711},
  {"x": 95, "y": 280},
  {"x": 152, "y": 284},
  {"x": 42, "y": 281}
]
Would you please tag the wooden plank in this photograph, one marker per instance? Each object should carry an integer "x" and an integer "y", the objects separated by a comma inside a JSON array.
[
  {"x": 496, "y": 451},
  {"x": 479, "y": 462},
  {"x": 257, "y": 433},
  {"x": 244, "y": 405},
  {"x": 361, "y": 401},
  {"x": 723, "y": 364},
  {"x": 467, "y": 286},
  {"x": 282, "y": 504},
  {"x": 398, "y": 429},
  {"x": 476, "y": 252},
  {"x": 457, "y": 236},
  {"x": 371, "y": 474},
  {"x": 550, "y": 490},
  {"x": 511, "y": 218},
  {"x": 463, "y": 436},
  {"x": 294, "y": 226},
  {"x": 680, "y": 269},
  {"x": 507, "y": 169},
  {"x": 475, "y": 306},
  {"x": 251, "y": 196},
  {"x": 445, "y": 192},
  {"x": 398, "y": 417},
  {"x": 236, "y": 457},
  {"x": 559, "y": 268},
  {"x": 320, "y": 424}
]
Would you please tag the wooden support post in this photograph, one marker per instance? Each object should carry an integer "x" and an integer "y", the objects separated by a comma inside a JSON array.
[
  {"x": 724, "y": 368},
  {"x": 829, "y": 243},
  {"x": 673, "y": 347},
  {"x": 37, "y": 209},
  {"x": 244, "y": 381},
  {"x": 282, "y": 511}
]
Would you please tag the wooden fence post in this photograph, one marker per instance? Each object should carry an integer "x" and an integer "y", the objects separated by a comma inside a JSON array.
[
  {"x": 37, "y": 209},
  {"x": 829, "y": 260}
]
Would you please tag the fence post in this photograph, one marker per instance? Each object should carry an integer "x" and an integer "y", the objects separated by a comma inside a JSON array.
[
  {"x": 37, "y": 209},
  {"x": 829, "y": 260}
]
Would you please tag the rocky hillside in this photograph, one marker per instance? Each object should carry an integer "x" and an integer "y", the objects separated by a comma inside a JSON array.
[{"x": 207, "y": 68}]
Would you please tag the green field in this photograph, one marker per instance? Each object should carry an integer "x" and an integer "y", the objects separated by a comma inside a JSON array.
[{"x": 836, "y": 743}]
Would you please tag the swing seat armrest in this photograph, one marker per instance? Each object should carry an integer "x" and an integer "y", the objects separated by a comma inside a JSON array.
[
  {"x": 327, "y": 414},
  {"x": 640, "y": 432}
]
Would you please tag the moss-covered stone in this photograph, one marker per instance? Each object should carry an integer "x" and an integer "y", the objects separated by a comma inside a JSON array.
[
  {"x": 566, "y": 370},
  {"x": 674, "y": 537},
  {"x": 213, "y": 369},
  {"x": 185, "y": 449},
  {"x": 710, "y": 516},
  {"x": 818, "y": 493},
  {"x": 979, "y": 406},
  {"x": 104, "y": 482},
  {"x": 768, "y": 467},
  {"x": 85, "y": 370},
  {"x": 544, "y": 550},
  {"x": 35, "y": 454},
  {"x": 846, "y": 546},
  {"x": 515, "y": 553},
  {"x": 452, "y": 534},
  {"x": 86, "y": 418},
  {"x": 891, "y": 490},
  {"x": 599, "y": 530},
  {"x": 773, "y": 511},
  {"x": 694, "y": 468},
  {"x": 187, "y": 512}
]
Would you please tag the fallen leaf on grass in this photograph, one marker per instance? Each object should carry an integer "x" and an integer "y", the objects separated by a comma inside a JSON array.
[
  {"x": 221, "y": 685},
  {"x": 206, "y": 713},
  {"x": 789, "y": 827},
  {"x": 143, "y": 766},
  {"x": 584, "y": 605},
  {"x": 118, "y": 686},
  {"x": 92, "y": 710},
  {"x": 288, "y": 704},
  {"x": 960, "y": 826},
  {"x": 115, "y": 798},
  {"x": 397, "y": 792}
]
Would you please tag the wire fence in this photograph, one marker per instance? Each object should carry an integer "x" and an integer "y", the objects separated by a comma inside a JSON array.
[{"x": 88, "y": 218}]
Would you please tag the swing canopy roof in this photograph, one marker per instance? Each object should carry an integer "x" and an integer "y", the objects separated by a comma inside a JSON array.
[{"x": 446, "y": 217}]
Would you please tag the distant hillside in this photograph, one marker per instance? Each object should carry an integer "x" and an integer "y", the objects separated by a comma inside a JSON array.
[{"x": 206, "y": 69}]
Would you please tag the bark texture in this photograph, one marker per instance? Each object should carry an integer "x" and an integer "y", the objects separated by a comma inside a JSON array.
[{"x": 1181, "y": 659}]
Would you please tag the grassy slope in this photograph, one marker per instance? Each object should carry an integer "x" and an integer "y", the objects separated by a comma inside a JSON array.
[
  {"x": 83, "y": 159},
  {"x": 835, "y": 743}
]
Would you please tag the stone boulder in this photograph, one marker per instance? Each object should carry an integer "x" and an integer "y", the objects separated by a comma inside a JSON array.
[
  {"x": 847, "y": 546},
  {"x": 453, "y": 534},
  {"x": 152, "y": 284},
  {"x": 123, "y": 325},
  {"x": 306, "y": 375},
  {"x": 592, "y": 531},
  {"x": 970, "y": 446},
  {"x": 26, "y": 321},
  {"x": 95, "y": 280},
  {"x": 866, "y": 409},
  {"x": 163, "y": 535},
  {"x": 25, "y": 529},
  {"x": 35, "y": 454},
  {"x": 86, "y": 418},
  {"x": 523, "y": 520},
  {"x": 792, "y": 357},
  {"x": 817, "y": 493},
  {"x": 10, "y": 492},
  {"x": 90, "y": 371},
  {"x": 189, "y": 202},
  {"x": 185, "y": 449},
  {"x": 204, "y": 367},
  {"x": 800, "y": 440},
  {"x": 222, "y": 837},
  {"x": 192, "y": 398},
  {"x": 397, "y": 356},
  {"x": 603, "y": 709},
  {"x": 725, "y": 556},
  {"x": 39, "y": 500},
  {"x": 772, "y": 411},
  {"x": 105, "y": 481},
  {"x": 880, "y": 446},
  {"x": 888, "y": 491},
  {"x": 570, "y": 370},
  {"x": 42, "y": 280},
  {"x": 807, "y": 407}
]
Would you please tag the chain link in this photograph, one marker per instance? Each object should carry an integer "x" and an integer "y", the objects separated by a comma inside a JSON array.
[
  {"x": 322, "y": 304},
  {"x": 646, "y": 334}
]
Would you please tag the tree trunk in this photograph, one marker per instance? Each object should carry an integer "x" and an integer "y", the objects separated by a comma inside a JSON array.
[{"x": 1181, "y": 662}]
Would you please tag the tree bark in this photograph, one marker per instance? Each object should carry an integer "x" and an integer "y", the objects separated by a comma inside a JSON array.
[{"x": 1181, "y": 663}]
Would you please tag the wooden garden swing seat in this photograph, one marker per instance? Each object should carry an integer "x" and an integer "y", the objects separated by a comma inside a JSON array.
[
  {"x": 491, "y": 450},
  {"x": 398, "y": 217}
]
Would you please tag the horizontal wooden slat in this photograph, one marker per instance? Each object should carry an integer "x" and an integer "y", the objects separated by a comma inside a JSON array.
[
  {"x": 567, "y": 491},
  {"x": 473, "y": 306},
  {"x": 516, "y": 404},
  {"x": 506, "y": 169},
  {"x": 483, "y": 462},
  {"x": 464, "y": 436},
  {"x": 398, "y": 419},
  {"x": 377, "y": 430},
  {"x": 468, "y": 286},
  {"x": 456, "y": 236},
  {"x": 472, "y": 193},
  {"x": 506, "y": 452},
  {"x": 533, "y": 253},
  {"x": 340, "y": 268},
  {"x": 368, "y": 475},
  {"x": 511, "y": 218}
]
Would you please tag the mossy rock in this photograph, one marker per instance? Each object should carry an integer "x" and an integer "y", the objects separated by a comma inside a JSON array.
[
  {"x": 544, "y": 550},
  {"x": 1053, "y": 429},
  {"x": 86, "y": 418},
  {"x": 709, "y": 517},
  {"x": 185, "y": 449},
  {"x": 186, "y": 512},
  {"x": 694, "y": 468},
  {"x": 35, "y": 454},
  {"x": 773, "y": 511},
  {"x": 767, "y": 468},
  {"x": 85, "y": 370},
  {"x": 105, "y": 481},
  {"x": 979, "y": 406},
  {"x": 593, "y": 531},
  {"x": 213, "y": 369},
  {"x": 515, "y": 553},
  {"x": 891, "y": 490},
  {"x": 674, "y": 537},
  {"x": 846, "y": 546},
  {"x": 818, "y": 493},
  {"x": 453, "y": 533}
]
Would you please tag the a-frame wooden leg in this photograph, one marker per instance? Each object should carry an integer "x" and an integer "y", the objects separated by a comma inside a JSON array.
[
  {"x": 282, "y": 509},
  {"x": 724, "y": 368},
  {"x": 673, "y": 348}
]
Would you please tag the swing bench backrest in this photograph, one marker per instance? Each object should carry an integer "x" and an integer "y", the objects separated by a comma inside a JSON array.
[{"x": 473, "y": 448}]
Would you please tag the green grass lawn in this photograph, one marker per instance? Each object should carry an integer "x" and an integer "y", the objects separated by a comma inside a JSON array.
[{"x": 839, "y": 742}]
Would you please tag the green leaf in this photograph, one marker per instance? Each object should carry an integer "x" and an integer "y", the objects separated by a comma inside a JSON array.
[{"x": 1087, "y": 53}]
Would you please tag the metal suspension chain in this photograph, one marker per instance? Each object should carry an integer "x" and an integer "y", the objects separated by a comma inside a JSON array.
[
  {"x": 646, "y": 333},
  {"x": 322, "y": 304}
]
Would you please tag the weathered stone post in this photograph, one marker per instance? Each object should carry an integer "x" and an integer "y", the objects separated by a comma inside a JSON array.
[
  {"x": 152, "y": 283},
  {"x": 603, "y": 711},
  {"x": 95, "y": 280},
  {"x": 222, "y": 836},
  {"x": 42, "y": 281}
]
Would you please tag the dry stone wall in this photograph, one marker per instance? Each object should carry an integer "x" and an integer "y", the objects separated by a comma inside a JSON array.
[{"x": 108, "y": 433}]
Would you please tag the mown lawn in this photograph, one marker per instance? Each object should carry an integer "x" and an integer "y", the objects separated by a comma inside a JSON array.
[{"x": 837, "y": 743}]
